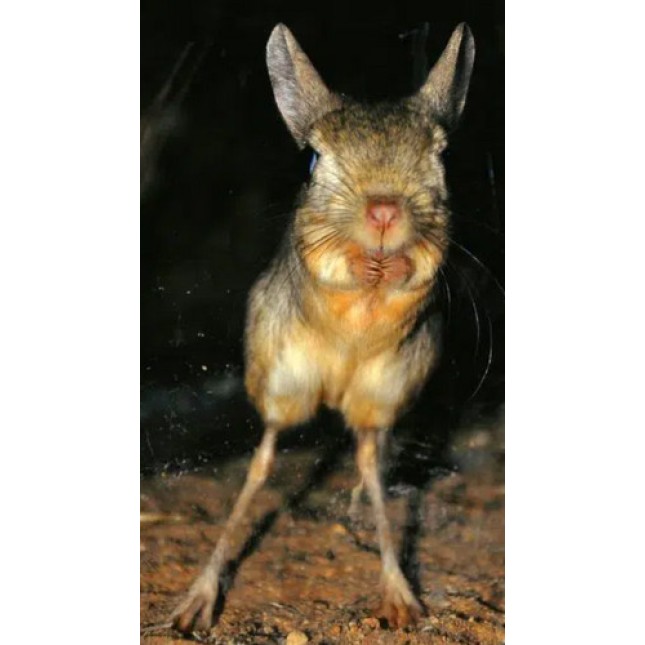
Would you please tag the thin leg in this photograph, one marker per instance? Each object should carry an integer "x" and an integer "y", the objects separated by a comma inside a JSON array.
[
  {"x": 399, "y": 607},
  {"x": 357, "y": 492},
  {"x": 196, "y": 611},
  {"x": 355, "y": 502}
]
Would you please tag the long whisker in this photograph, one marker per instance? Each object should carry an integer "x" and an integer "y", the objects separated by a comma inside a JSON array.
[
  {"x": 489, "y": 329},
  {"x": 307, "y": 248},
  {"x": 313, "y": 230},
  {"x": 489, "y": 361},
  {"x": 446, "y": 286},
  {"x": 429, "y": 235},
  {"x": 330, "y": 240},
  {"x": 480, "y": 263},
  {"x": 473, "y": 305}
]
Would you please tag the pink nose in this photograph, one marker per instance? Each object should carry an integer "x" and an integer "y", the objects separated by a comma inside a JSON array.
[{"x": 382, "y": 213}]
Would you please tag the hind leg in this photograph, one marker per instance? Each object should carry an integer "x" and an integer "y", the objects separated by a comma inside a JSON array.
[
  {"x": 399, "y": 605},
  {"x": 287, "y": 400},
  {"x": 196, "y": 610},
  {"x": 358, "y": 492}
]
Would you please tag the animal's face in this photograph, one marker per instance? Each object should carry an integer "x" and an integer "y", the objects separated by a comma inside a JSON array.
[
  {"x": 379, "y": 178},
  {"x": 377, "y": 194}
]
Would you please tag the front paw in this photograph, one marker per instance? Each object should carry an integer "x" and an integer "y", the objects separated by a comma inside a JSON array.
[
  {"x": 196, "y": 611},
  {"x": 396, "y": 269},
  {"x": 377, "y": 269},
  {"x": 367, "y": 270}
]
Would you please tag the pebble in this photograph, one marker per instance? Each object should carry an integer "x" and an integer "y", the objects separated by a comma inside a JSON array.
[
  {"x": 371, "y": 622},
  {"x": 338, "y": 529},
  {"x": 335, "y": 630},
  {"x": 296, "y": 638}
]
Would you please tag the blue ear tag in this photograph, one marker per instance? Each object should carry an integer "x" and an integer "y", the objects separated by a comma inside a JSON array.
[{"x": 312, "y": 163}]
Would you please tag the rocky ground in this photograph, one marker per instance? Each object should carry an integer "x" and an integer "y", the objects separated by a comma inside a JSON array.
[{"x": 307, "y": 576}]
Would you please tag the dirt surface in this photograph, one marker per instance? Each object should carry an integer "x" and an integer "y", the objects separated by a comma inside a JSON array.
[{"x": 307, "y": 575}]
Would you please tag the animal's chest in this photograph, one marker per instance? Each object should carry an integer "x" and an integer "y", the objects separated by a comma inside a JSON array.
[
  {"x": 348, "y": 330},
  {"x": 368, "y": 320},
  {"x": 338, "y": 370}
]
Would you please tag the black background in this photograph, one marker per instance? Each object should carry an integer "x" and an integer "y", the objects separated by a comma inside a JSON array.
[{"x": 221, "y": 179}]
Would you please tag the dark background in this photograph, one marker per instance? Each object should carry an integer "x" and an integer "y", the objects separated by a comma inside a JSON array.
[{"x": 219, "y": 175}]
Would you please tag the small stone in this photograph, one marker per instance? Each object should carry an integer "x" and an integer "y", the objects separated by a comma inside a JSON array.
[
  {"x": 371, "y": 622},
  {"x": 335, "y": 630},
  {"x": 296, "y": 638}
]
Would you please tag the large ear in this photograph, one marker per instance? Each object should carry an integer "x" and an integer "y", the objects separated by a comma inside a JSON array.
[
  {"x": 300, "y": 93},
  {"x": 447, "y": 84}
]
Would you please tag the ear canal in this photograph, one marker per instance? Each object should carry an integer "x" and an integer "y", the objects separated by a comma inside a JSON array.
[
  {"x": 446, "y": 87},
  {"x": 300, "y": 93}
]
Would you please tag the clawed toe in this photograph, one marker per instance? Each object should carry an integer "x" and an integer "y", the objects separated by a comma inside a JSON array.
[
  {"x": 195, "y": 613},
  {"x": 399, "y": 607},
  {"x": 398, "y": 613}
]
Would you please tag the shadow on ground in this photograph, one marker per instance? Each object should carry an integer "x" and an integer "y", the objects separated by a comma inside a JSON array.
[{"x": 305, "y": 568}]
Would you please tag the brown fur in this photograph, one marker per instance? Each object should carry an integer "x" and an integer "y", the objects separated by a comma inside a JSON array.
[
  {"x": 341, "y": 316},
  {"x": 356, "y": 292}
]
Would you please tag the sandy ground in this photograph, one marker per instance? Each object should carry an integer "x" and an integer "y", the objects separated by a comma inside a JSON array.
[{"x": 307, "y": 575}]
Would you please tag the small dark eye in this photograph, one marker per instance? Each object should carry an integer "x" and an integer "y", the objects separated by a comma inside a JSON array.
[{"x": 313, "y": 162}]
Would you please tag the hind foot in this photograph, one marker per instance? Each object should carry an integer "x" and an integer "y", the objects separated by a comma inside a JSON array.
[
  {"x": 195, "y": 612},
  {"x": 399, "y": 612},
  {"x": 399, "y": 606}
]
